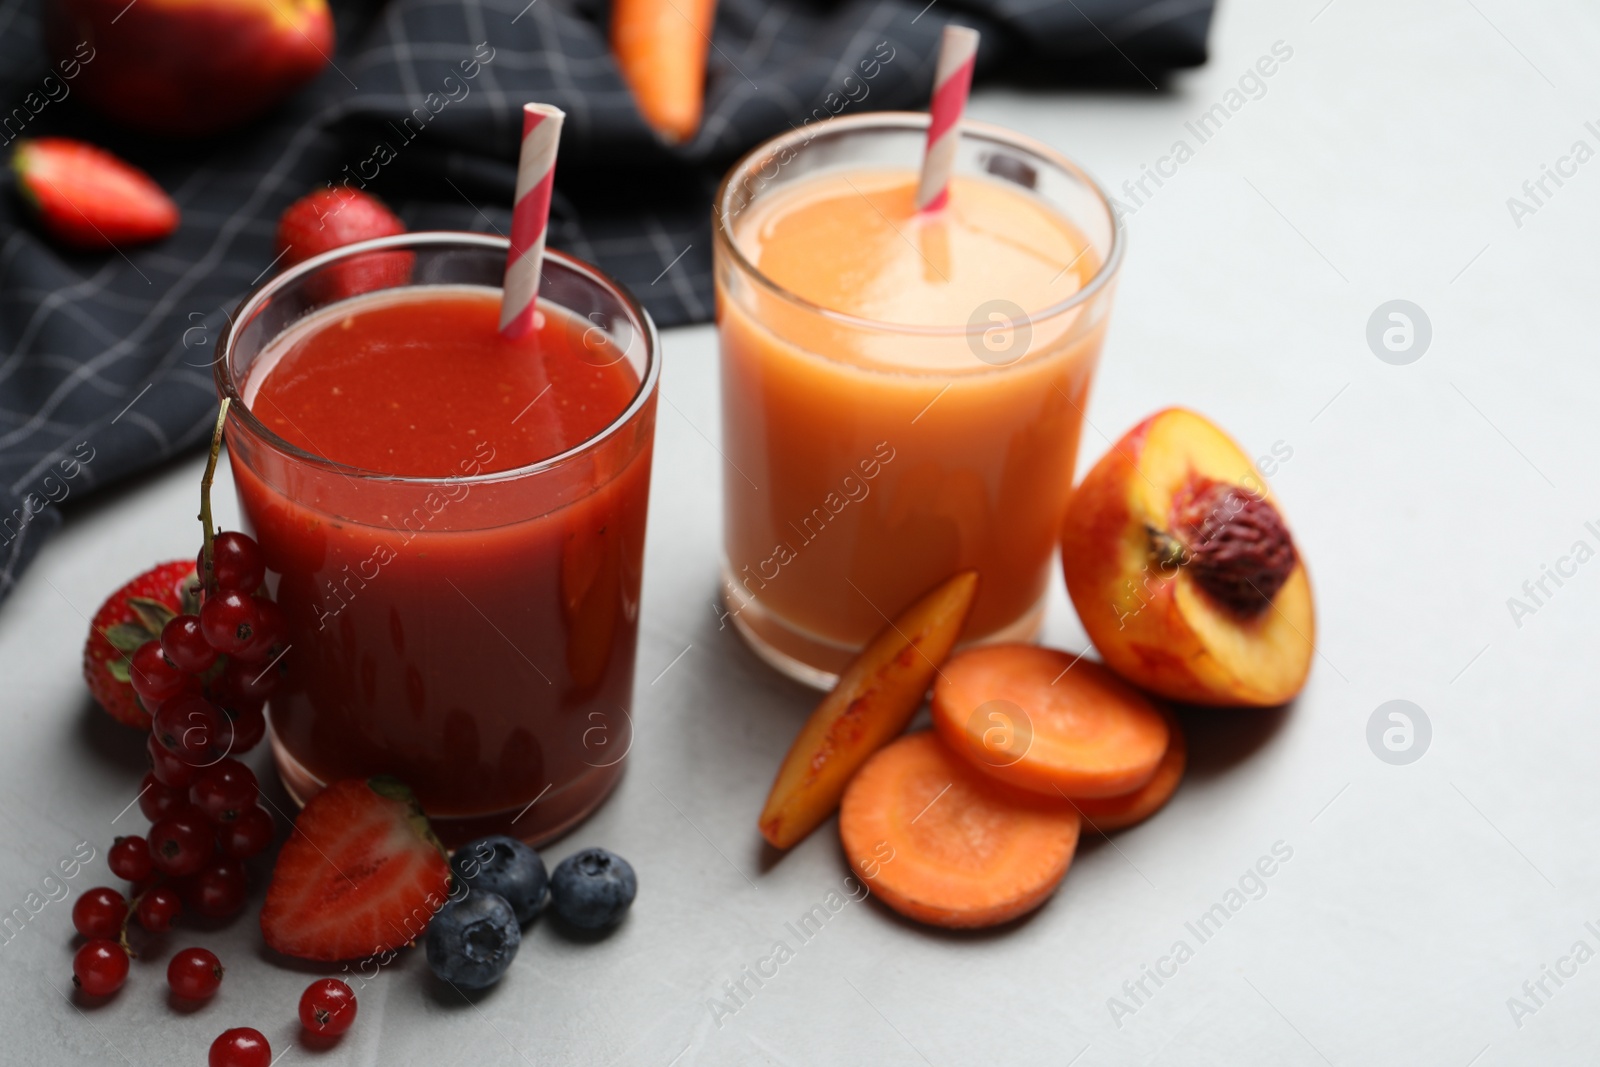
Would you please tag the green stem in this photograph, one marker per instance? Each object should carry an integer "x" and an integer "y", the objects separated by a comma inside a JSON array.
[{"x": 208, "y": 576}]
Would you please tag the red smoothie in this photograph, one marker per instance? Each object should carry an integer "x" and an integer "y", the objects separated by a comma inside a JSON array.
[{"x": 469, "y": 624}]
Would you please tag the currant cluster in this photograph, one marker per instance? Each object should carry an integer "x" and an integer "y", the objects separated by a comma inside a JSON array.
[
  {"x": 205, "y": 681},
  {"x": 190, "y": 861},
  {"x": 206, "y": 678}
]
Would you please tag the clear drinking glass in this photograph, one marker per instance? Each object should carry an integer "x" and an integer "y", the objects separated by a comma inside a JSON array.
[
  {"x": 473, "y": 636},
  {"x": 870, "y": 460}
]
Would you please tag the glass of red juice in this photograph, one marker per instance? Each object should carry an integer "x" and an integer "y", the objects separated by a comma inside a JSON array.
[{"x": 453, "y": 524}]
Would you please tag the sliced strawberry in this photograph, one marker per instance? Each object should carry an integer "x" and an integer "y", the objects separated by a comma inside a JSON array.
[
  {"x": 88, "y": 198},
  {"x": 361, "y": 874},
  {"x": 331, "y": 218},
  {"x": 131, "y": 616}
]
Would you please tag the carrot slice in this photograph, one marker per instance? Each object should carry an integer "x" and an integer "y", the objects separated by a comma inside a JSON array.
[
  {"x": 1047, "y": 721},
  {"x": 1105, "y": 814},
  {"x": 942, "y": 844},
  {"x": 874, "y": 700},
  {"x": 660, "y": 47}
]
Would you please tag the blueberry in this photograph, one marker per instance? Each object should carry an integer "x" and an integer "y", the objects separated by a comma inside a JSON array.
[
  {"x": 505, "y": 866},
  {"x": 472, "y": 941},
  {"x": 593, "y": 888}
]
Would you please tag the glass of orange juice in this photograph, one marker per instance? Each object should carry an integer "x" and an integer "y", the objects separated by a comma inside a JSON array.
[{"x": 902, "y": 392}]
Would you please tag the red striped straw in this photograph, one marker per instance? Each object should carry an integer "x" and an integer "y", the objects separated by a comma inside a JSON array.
[
  {"x": 952, "y": 80},
  {"x": 530, "y": 214}
]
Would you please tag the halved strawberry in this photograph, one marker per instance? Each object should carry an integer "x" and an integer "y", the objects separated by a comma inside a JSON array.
[
  {"x": 131, "y": 616},
  {"x": 332, "y": 218},
  {"x": 362, "y": 874},
  {"x": 87, "y": 197}
]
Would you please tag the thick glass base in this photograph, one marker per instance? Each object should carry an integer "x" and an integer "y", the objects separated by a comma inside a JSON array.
[
  {"x": 816, "y": 662},
  {"x": 545, "y": 818}
]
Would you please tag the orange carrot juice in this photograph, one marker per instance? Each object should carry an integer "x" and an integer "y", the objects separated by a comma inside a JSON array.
[{"x": 902, "y": 395}]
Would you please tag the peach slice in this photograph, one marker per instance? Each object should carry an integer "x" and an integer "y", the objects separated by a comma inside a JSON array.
[
  {"x": 1183, "y": 570},
  {"x": 876, "y": 696}
]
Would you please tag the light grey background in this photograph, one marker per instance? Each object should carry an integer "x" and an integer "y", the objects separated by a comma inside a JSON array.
[{"x": 1376, "y": 166}]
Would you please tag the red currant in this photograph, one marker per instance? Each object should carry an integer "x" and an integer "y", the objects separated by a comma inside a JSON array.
[
  {"x": 156, "y": 798},
  {"x": 181, "y": 843},
  {"x": 224, "y": 790},
  {"x": 242, "y": 1046},
  {"x": 186, "y": 647},
  {"x": 245, "y": 683},
  {"x": 248, "y": 835},
  {"x": 100, "y": 967},
  {"x": 170, "y": 770},
  {"x": 130, "y": 859},
  {"x": 229, "y": 621},
  {"x": 192, "y": 685},
  {"x": 217, "y": 891},
  {"x": 157, "y": 908},
  {"x": 99, "y": 913},
  {"x": 194, "y": 974},
  {"x": 327, "y": 1007},
  {"x": 188, "y": 726},
  {"x": 152, "y": 677},
  {"x": 268, "y": 631},
  {"x": 243, "y": 728},
  {"x": 237, "y": 561}
]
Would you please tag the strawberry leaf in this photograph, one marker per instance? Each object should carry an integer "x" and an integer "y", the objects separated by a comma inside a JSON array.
[
  {"x": 118, "y": 669},
  {"x": 386, "y": 785},
  {"x": 127, "y": 637},
  {"x": 152, "y": 613}
]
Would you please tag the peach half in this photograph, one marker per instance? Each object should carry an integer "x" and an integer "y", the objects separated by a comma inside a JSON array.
[
  {"x": 186, "y": 68},
  {"x": 1183, "y": 570}
]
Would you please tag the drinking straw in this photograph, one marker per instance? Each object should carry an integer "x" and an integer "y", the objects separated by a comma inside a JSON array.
[
  {"x": 952, "y": 79},
  {"x": 530, "y": 214}
]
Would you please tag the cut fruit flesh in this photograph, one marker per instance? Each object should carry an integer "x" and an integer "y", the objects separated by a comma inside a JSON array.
[
  {"x": 1150, "y": 620},
  {"x": 874, "y": 700}
]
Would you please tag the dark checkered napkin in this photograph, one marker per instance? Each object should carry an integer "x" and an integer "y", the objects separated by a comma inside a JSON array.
[{"x": 105, "y": 359}]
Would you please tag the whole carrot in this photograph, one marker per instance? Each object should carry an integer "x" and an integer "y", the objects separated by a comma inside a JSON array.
[{"x": 660, "y": 45}]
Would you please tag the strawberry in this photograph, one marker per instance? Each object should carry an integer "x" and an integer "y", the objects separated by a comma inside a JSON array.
[
  {"x": 88, "y": 198},
  {"x": 331, "y": 218},
  {"x": 361, "y": 875},
  {"x": 131, "y": 616}
]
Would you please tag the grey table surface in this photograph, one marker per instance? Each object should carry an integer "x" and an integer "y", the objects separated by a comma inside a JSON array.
[{"x": 1424, "y": 907}]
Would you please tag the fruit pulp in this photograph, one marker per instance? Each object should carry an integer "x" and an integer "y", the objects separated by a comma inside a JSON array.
[
  {"x": 473, "y": 636},
  {"x": 870, "y": 460}
]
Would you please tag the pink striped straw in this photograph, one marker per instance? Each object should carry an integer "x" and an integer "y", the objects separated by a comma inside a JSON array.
[
  {"x": 952, "y": 79},
  {"x": 530, "y": 215}
]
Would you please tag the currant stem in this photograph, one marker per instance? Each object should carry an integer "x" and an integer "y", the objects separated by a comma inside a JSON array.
[
  {"x": 209, "y": 577},
  {"x": 133, "y": 905}
]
